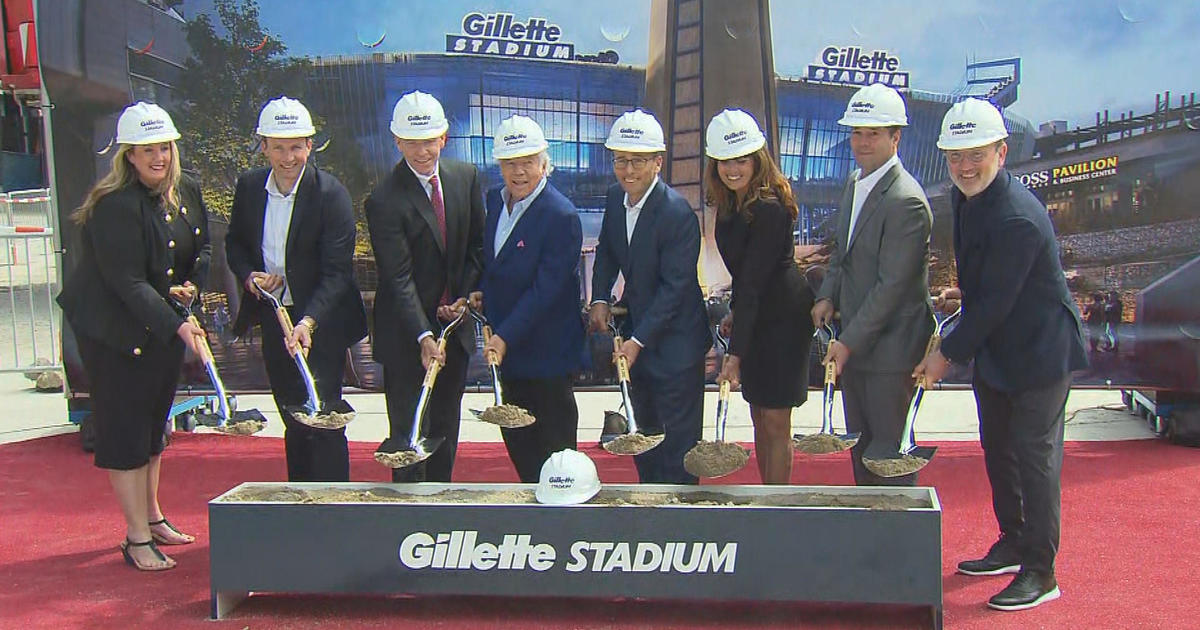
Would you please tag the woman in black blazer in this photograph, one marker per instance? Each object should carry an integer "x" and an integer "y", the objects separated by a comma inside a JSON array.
[
  {"x": 771, "y": 331},
  {"x": 144, "y": 244}
]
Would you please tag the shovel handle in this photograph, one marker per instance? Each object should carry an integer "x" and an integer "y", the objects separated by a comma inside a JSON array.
[
  {"x": 723, "y": 393},
  {"x": 935, "y": 342},
  {"x": 206, "y": 354},
  {"x": 622, "y": 363},
  {"x": 830, "y": 372},
  {"x": 491, "y": 354},
  {"x": 435, "y": 366}
]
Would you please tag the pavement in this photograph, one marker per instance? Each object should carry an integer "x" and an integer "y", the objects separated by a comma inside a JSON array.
[{"x": 946, "y": 415}]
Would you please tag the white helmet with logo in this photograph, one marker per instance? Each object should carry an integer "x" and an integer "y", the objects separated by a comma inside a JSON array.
[
  {"x": 568, "y": 477},
  {"x": 732, "y": 134},
  {"x": 518, "y": 136},
  {"x": 145, "y": 123},
  {"x": 875, "y": 105},
  {"x": 285, "y": 118},
  {"x": 971, "y": 123},
  {"x": 636, "y": 132},
  {"x": 418, "y": 116}
]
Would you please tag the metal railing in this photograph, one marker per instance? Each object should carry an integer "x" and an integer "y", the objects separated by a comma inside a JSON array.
[{"x": 29, "y": 339}]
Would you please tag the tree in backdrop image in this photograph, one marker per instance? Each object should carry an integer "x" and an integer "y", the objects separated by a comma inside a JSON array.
[{"x": 235, "y": 68}]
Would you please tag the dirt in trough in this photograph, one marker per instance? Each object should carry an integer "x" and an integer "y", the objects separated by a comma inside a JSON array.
[
  {"x": 821, "y": 443},
  {"x": 903, "y": 465},
  {"x": 243, "y": 427},
  {"x": 715, "y": 459},
  {"x": 633, "y": 443},
  {"x": 617, "y": 498},
  {"x": 399, "y": 459},
  {"x": 507, "y": 416}
]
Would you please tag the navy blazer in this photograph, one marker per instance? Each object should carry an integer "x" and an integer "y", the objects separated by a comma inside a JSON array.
[
  {"x": 1019, "y": 321},
  {"x": 319, "y": 254},
  {"x": 531, "y": 286},
  {"x": 662, "y": 291}
]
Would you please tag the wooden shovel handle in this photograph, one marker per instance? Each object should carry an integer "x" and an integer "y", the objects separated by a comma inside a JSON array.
[
  {"x": 435, "y": 366},
  {"x": 622, "y": 363},
  {"x": 831, "y": 372},
  {"x": 491, "y": 354},
  {"x": 206, "y": 354}
]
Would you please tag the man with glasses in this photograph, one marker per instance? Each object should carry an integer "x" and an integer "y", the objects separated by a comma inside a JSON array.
[
  {"x": 651, "y": 236},
  {"x": 1022, "y": 328}
]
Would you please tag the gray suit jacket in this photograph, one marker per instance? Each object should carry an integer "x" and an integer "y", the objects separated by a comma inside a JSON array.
[{"x": 879, "y": 276}]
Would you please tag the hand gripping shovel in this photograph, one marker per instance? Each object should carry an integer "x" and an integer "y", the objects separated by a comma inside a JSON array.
[
  {"x": 717, "y": 458},
  {"x": 508, "y": 416},
  {"x": 311, "y": 413},
  {"x": 241, "y": 423},
  {"x": 826, "y": 441},
  {"x": 418, "y": 448},
  {"x": 632, "y": 442},
  {"x": 881, "y": 460}
]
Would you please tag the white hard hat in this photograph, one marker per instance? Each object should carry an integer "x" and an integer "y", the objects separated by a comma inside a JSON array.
[
  {"x": 636, "y": 132},
  {"x": 732, "y": 134},
  {"x": 969, "y": 124},
  {"x": 285, "y": 118},
  {"x": 568, "y": 477},
  {"x": 145, "y": 123},
  {"x": 518, "y": 136},
  {"x": 418, "y": 116},
  {"x": 875, "y": 105}
]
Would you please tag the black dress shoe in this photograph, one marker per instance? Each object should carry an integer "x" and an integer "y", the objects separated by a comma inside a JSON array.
[
  {"x": 1028, "y": 589},
  {"x": 1000, "y": 559}
]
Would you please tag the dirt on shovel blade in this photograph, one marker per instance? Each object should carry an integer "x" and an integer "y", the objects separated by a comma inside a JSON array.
[
  {"x": 715, "y": 459},
  {"x": 243, "y": 427},
  {"x": 903, "y": 465},
  {"x": 331, "y": 420},
  {"x": 399, "y": 459},
  {"x": 507, "y": 416},
  {"x": 820, "y": 443},
  {"x": 633, "y": 443}
]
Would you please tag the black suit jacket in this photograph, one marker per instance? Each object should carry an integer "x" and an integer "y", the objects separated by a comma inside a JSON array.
[
  {"x": 1019, "y": 322},
  {"x": 415, "y": 268},
  {"x": 319, "y": 254},
  {"x": 117, "y": 292},
  {"x": 666, "y": 309}
]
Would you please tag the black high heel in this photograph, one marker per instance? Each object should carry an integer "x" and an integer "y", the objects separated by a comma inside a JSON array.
[
  {"x": 126, "y": 544},
  {"x": 162, "y": 540}
]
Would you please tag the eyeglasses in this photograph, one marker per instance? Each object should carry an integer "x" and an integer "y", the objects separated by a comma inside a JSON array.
[
  {"x": 974, "y": 156},
  {"x": 637, "y": 163}
]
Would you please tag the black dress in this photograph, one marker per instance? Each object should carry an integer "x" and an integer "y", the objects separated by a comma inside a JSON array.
[{"x": 772, "y": 324}]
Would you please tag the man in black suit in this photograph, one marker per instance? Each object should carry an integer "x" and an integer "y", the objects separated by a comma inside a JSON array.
[
  {"x": 292, "y": 229},
  {"x": 651, "y": 235},
  {"x": 426, "y": 224},
  {"x": 1023, "y": 330}
]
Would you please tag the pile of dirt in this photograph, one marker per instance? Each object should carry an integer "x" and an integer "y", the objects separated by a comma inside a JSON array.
[
  {"x": 715, "y": 459},
  {"x": 821, "y": 443},
  {"x": 332, "y": 420},
  {"x": 507, "y": 416},
  {"x": 399, "y": 459},
  {"x": 242, "y": 427},
  {"x": 49, "y": 381},
  {"x": 633, "y": 443},
  {"x": 904, "y": 465}
]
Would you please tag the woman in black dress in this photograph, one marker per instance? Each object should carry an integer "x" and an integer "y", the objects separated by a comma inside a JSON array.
[
  {"x": 771, "y": 331},
  {"x": 144, "y": 242}
]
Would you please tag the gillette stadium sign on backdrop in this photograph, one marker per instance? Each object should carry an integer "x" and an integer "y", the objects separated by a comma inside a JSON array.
[
  {"x": 851, "y": 65},
  {"x": 502, "y": 35}
]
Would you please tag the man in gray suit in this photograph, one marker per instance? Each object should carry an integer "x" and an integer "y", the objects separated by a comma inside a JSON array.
[{"x": 878, "y": 279}]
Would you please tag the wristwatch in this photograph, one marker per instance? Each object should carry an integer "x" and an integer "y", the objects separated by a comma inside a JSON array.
[{"x": 310, "y": 322}]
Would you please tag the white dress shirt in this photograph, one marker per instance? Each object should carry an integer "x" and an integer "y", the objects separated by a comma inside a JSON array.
[
  {"x": 632, "y": 212},
  {"x": 276, "y": 222},
  {"x": 508, "y": 218},
  {"x": 424, "y": 179},
  {"x": 862, "y": 189}
]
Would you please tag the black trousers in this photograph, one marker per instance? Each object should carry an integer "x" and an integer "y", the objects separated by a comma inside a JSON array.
[
  {"x": 1022, "y": 438},
  {"x": 673, "y": 404},
  {"x": 876, "y": 405},
  {"x": 312, "y": 454},
  {"x": 552, "y": 402},
  {"x": 402, "y": 388}
]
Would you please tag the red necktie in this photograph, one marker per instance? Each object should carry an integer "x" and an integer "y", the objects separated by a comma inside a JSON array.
[{"x": 439, "y": 211}]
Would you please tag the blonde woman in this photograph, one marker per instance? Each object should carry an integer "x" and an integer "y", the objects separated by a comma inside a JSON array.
[
  {"x": 770, "y": 331},
  {"x": 144, "y": 242}
]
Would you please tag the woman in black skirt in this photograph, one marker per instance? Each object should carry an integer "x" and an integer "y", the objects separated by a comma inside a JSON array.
[
  {"x": 144, "y": 243},
  {"x": 771, "y": 331}
]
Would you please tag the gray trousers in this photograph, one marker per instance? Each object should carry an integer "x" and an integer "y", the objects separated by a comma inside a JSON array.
[
  {"x": 876, "y": 404},
  {"x": 1022, "y": 438}
]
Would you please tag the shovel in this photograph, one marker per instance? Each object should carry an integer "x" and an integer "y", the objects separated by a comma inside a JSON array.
[
  {"x": 418, "y": 448},
  {"x": 249, "y": 422},
  {"x": 717, "y": 458},
  {"x": 910, "y": 458},
  {"x": 311, "y": 413},
  {"x": 508, "y": 416},
  {"x": 632, "y": 442},
  {"x": 826, "y": 441}
]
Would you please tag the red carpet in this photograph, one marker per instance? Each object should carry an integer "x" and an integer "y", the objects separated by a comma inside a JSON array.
[{"x": 1130, "y": 557}]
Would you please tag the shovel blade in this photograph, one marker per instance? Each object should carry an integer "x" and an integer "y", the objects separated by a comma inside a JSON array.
[
  {"x": 409, "y": 454},
  {"x": 897, "y": 464}
]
